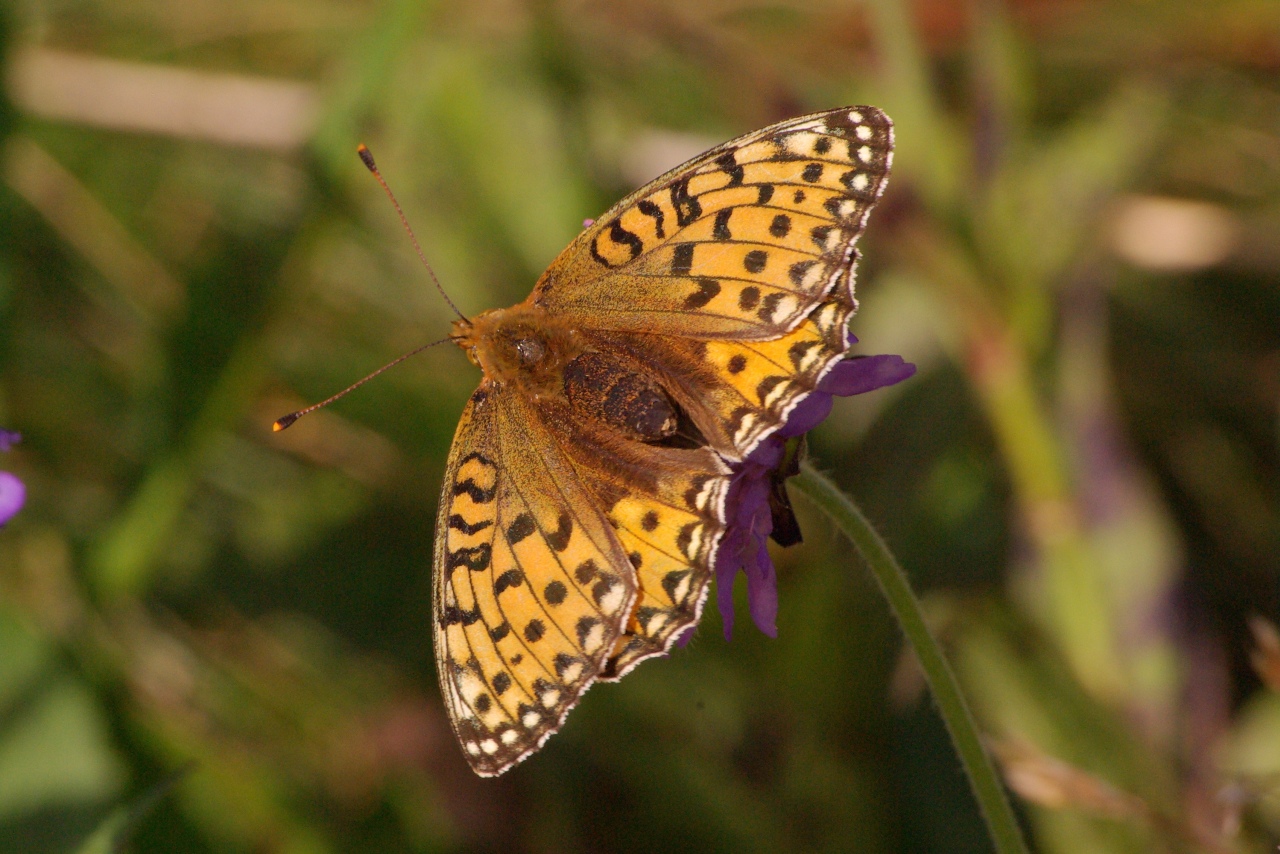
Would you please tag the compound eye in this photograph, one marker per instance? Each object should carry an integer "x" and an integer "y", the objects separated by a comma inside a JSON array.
[{"x": 531, "y": 350}]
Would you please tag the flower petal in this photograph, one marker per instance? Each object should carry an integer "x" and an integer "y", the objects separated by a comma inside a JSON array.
[
  {"x": 865, "y": 373},
  {"x": 809, "y": 413},
  {"x": 13, "y": 494},
  {"x": 762, "y": 590}
]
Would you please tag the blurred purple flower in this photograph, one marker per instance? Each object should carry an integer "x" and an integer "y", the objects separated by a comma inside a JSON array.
[
  {"x": 13, "y": 492},
  {"x": 761, "y": 477}
]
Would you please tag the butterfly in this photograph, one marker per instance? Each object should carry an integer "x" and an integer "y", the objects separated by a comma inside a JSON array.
[{"x": 584, "y": 500}]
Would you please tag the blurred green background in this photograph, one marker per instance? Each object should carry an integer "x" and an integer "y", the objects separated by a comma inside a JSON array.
[{"x": 216, "y": 639}]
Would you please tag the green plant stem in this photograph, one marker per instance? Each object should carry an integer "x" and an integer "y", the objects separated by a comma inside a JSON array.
[{"x": 996, "y": 810}]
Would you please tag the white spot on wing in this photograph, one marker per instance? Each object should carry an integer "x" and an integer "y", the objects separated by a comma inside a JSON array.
[
  {"x": 810, "y": 356},
  {"x": 594, "y": 638},
  {"x": 612, "y": 601},
  {"x": 775, "y": 394},
  {"x": 682, "y": 589},
  {"x": 811, "y": 278},
  {"x": 656, "y": 623},
  {"x": 695, "y": 544}
]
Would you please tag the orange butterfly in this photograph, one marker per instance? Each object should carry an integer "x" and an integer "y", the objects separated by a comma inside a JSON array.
[{"x": 587, "y": 495}]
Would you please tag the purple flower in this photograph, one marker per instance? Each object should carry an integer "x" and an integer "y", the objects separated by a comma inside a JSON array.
[
  {"x": 13, "y": 492},
  {"x": 757, "y": 495}
]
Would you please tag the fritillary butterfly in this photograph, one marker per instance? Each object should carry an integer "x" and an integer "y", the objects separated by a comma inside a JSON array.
[{"x": 584, "y": 500}]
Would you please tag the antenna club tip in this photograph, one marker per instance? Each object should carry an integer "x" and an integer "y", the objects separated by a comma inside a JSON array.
[
  {"x": 366, "y": 157},
  {"x": 285, "y": 422}
]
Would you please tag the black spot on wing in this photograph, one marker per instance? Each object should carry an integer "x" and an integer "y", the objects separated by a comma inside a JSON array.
[
  {"x": 455, "y": 616},
  {"x": 521, "y": 527},
  {"x": 508, "y": 579},
  {"x": 707, "y": 290},
  {"x": 457, "y": 523},
  {"x": 650, "y": 209},
  {"x": 682, "y": 259},
  {"x": 477, "y": 493},
  {"x": 559, "y": 538},
  {"x": 474, "y": 558},
  {"x": 585, "y": 571},
  {"x": 720, "y": 231},
  {"x": 688, "y": 208},
  {"x": 620, "y": 236},
  {"x": 555, "y": 592},
  {"x": 729, "y": 165},
  {"x": 769, "y": 306}
]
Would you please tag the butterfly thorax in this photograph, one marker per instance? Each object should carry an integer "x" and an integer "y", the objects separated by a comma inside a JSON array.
[{"x": 551, "y": 361}]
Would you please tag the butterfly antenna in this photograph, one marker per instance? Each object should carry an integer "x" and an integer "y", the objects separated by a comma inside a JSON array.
[
  {"x": 287, "y": 421},
  {"x": 366, "y": 157}
]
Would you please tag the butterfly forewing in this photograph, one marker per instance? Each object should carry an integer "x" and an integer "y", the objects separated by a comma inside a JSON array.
[
  {"x": 532, "y": 588},
  {"x": 740, "y": 242}
]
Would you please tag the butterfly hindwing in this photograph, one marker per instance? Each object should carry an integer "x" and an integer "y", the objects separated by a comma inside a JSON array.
[
  {"x": 740, "y": 242},
  {"x": 667, "y": 507}
]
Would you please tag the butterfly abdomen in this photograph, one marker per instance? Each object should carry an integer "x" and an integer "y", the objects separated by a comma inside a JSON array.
[{"x": 604, "y": 389}]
